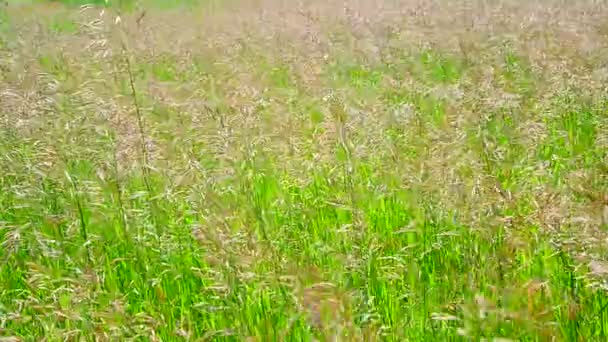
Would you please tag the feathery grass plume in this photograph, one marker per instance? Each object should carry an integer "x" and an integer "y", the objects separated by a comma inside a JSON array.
[{"x": 177, "y": 171}]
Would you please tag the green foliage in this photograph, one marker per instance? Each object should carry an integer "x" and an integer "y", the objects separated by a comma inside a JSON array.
[
  {"x": 236, "y": 197},
  {"x": 441, "y": 68}
]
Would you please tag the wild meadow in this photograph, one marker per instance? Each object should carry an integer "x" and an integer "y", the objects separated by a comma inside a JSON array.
[{"x": 273, "y": 170}]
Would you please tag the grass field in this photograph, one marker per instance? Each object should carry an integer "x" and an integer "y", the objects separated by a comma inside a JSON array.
[{"x": 391, "y": 170}]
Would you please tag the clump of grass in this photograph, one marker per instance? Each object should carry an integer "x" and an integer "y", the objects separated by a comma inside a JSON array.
[{"x": 187, "y": 175}]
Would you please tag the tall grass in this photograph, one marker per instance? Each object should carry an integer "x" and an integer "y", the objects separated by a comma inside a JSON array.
[{"x": 276, "y": 171}]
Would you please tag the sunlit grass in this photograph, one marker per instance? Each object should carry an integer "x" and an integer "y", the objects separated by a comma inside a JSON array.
[{"x": 159, "y": 183}]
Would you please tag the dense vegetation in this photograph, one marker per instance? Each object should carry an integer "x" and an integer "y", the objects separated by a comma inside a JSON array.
[{"x": 273, "y": 170}]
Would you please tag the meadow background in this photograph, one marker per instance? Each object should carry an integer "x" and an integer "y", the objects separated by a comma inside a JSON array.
[{"x": 273, "y": 170}]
